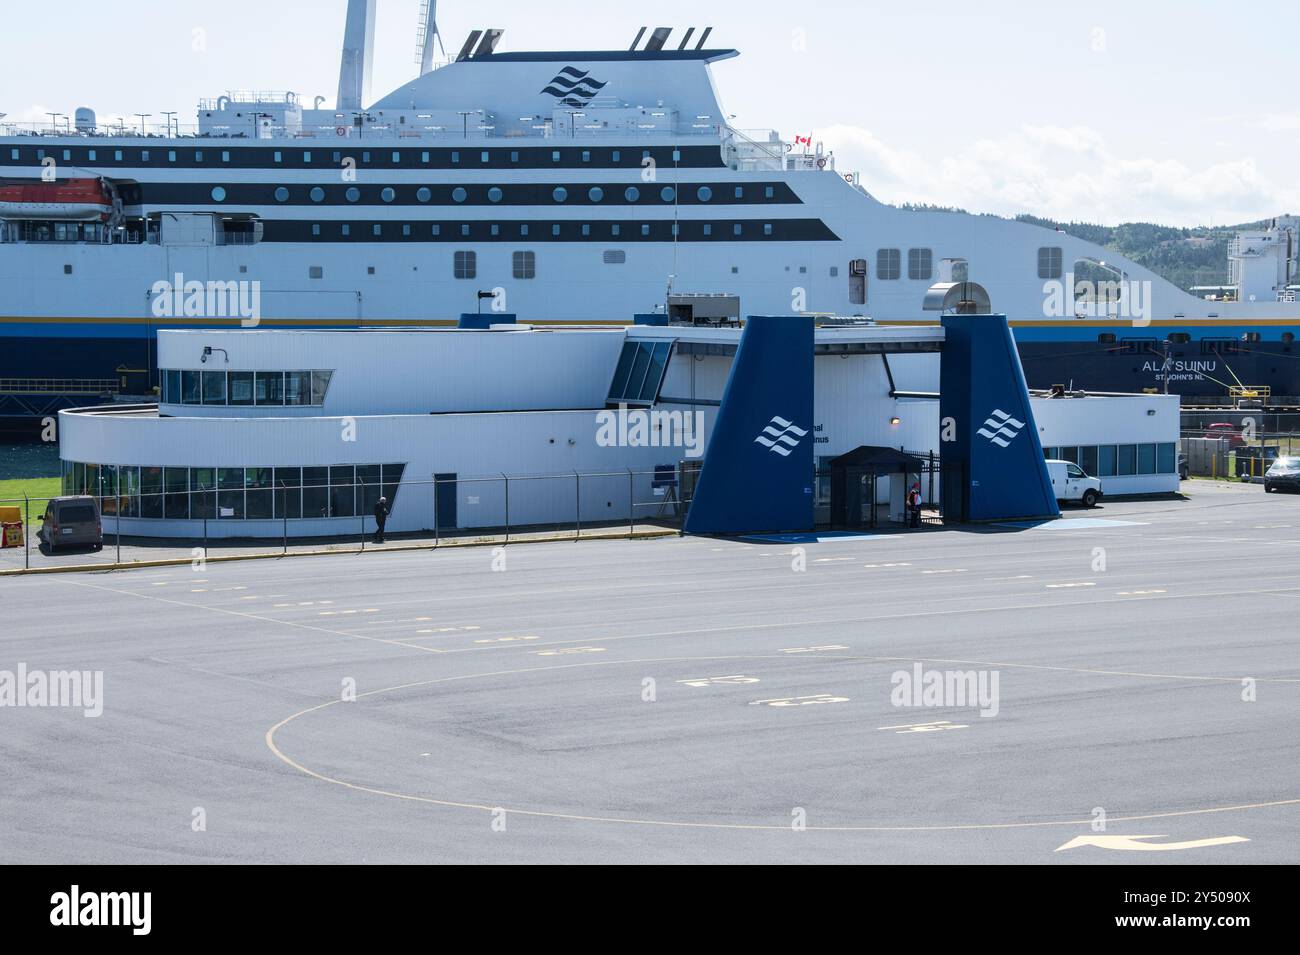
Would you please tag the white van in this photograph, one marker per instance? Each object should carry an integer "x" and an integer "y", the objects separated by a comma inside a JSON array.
[{"x": 1071, "y": 483}]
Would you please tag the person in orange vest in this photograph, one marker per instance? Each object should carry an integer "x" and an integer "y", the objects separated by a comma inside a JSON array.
[{"x": 914, "y": 505}]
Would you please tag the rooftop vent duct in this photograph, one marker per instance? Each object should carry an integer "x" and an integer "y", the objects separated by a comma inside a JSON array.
[{"x": 957, "y": 298}]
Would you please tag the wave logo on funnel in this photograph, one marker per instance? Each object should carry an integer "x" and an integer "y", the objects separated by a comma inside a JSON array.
[
  {"x": 1000, "y": 428},
  {"x": 573, "y": 87},
  {"x": 780, "y": 436}
]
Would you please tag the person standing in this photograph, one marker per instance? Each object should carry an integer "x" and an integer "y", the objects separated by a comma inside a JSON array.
[
  {"x": 381, "y": 518},
  {"x": 914, "y": 505}
]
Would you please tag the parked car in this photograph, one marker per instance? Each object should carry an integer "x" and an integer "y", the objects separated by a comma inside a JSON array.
[
  {"x": 71, "y": 522},
  {"x": 1226, "y": 429},
  {"x": 1282, "y": 475},
  {"x": 1071, "y": 483}
]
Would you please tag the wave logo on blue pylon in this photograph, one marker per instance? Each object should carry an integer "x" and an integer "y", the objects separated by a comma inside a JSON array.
[
  {"x": 780, "y": 436},
  {"x": 573, "y": 87},
  {"x": 1000, "y": 428}
]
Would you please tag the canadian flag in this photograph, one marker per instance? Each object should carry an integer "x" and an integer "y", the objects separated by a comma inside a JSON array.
[{"x": 803, "y": 140}]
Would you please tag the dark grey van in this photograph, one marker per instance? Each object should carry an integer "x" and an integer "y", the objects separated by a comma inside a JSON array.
[{"x": 71, "y": 522}]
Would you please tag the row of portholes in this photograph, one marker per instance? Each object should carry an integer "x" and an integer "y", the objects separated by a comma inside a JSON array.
[{"x": 458, "y": 195}]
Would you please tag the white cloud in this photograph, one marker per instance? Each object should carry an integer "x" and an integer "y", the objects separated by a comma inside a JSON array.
[{"x": 1067, "y": 173}]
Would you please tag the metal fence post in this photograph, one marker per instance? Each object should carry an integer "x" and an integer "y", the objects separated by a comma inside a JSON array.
[
  {"x": 631, "y": 505},
  {"x": 577, "y": 505},
  {"x": 27, "y": 532},
  {"x": 507, "y": 480},
  {"x": 284, "y": 514},
  {"x": 436, "y": 538},
  {"x": 206, "y": 508},
  {"x": 361, "y": 515}
]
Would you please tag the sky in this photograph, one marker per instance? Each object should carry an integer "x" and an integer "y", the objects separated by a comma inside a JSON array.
[{"x": 1183, "y": 112}]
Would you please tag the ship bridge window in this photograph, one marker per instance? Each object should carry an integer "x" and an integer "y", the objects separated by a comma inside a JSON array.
[
  {"x": 465, "y": 264},
  {"x": 920, "y": 264},
  {"x": 639, "y": 373},
  {"x": 888, "y": 264},
  {"x": 1049, "y": 262},
  {"x": 524, "y": 265}
]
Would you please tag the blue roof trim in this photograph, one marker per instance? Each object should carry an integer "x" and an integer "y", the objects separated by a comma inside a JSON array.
[{"x": 595, "y": 56}]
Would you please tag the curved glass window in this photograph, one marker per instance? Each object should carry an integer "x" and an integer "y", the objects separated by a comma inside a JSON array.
[
  {"x": 560, "y": 194},
  {"x": 317, "y": 194},
  {"x": 459, "y": 194},
  {"x": 667, "y": 193},
  {"x": 388, "y": 194},
  {"x": 595, "y": 194},
  {"x": 218, "y": 194},
  {"x": 494, "y": 194},
  {"x": 423, "y": 194},
  {"x": 704, "y": 194},
  {"x": 631, "y": 193},
  {"x": 353, "y": 194},
  {"x": 282, "y": 194}
]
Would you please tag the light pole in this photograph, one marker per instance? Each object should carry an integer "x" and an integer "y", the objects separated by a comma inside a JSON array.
[
  {"x": 143, "y": 117},
  {"x": 169, "y": 113}
]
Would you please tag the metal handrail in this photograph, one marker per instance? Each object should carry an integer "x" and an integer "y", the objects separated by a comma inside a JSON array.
[{"x": 64, "y": 386}]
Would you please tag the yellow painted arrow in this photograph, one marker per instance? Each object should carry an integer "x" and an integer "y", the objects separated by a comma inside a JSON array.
[{"x": 1136, "y": 843}]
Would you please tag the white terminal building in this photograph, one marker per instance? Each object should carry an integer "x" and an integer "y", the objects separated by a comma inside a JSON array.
[{"x": 260, "y": 433}]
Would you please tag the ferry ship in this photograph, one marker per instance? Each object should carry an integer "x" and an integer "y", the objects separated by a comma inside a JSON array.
[{"x": 575, "y": 186}]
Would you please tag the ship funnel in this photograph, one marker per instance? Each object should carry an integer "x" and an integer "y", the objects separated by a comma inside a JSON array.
[{"x": 358, "y": 49}]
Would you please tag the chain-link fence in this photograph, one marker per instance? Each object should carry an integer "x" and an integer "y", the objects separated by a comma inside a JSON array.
[{"x": 265, "y": 511}]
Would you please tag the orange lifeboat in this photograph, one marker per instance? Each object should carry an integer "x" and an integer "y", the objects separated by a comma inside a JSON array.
[{"x": 67, "y": 200}]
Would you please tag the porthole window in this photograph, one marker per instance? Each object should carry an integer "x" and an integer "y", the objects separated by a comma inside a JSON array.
[
  {"x": 595, "y": 194},
  {"x": 281, "y": 194},
  {"x": 667, "y": 193},
  {"x": 632, "y": 194},
  {"x": 218, "y": 194},
  {"x": 459, "y": 194},
  {"x": 560, "y": 194},
  {"x": 494, "y": 194},
  {"x": 317, "y": 194},
  {"x": 704, "y": 194},
  {"x": 388, "y": 194},
  {"x": 353, "y": 194},
  {"x": 423, "y": 194}
]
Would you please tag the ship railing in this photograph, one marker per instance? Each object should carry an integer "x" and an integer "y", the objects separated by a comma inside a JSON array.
[
  {"x": 59, "y": 386},
  {"x": 541, "y": 127}
]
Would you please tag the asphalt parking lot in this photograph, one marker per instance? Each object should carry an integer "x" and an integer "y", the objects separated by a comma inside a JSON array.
[{"x": 682, "y": 699}]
